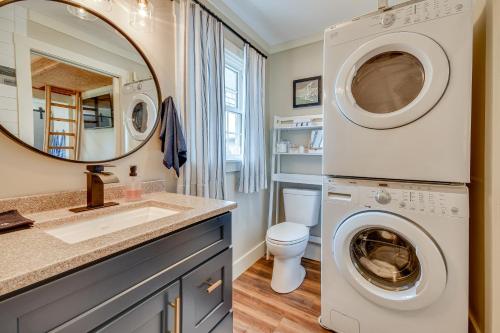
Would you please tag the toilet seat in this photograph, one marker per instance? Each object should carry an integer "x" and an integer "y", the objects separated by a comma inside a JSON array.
[{"x": 287, "y": 233}]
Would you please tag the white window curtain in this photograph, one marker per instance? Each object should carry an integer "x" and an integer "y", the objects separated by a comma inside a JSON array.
[
  {"x": 253, "y": 173},
  {"x": 200, "y": 99}
]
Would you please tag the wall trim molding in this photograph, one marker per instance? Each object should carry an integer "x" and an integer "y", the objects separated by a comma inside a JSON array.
[
  {"x": 295, "y": 43},
  {"x": 241, "y": 264}
]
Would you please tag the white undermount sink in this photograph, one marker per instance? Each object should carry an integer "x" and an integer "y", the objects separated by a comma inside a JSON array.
[{"x": 102, "y": 225}]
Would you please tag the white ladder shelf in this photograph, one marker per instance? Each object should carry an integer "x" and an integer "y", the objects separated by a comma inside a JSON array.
[{"x": 296, "y": 123}]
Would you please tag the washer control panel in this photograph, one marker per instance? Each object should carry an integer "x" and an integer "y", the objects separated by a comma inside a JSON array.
[
  {"x": 440, "y": 200},
  {"x": 412, "y": 199},
  {"x": 398, "y": 16}
]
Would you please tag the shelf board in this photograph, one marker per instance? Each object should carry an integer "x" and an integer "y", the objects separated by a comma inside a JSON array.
[
  {"x": 300, "y": 154},
  {"x": 298, "y": 178},
  {"x": 299, "y": 128}
]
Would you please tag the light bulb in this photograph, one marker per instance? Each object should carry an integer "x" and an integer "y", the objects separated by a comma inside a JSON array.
[{"x": 143, "y": 12}]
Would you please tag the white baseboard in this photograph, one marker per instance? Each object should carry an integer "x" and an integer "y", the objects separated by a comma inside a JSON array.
[{"x": 241, "y": 264}]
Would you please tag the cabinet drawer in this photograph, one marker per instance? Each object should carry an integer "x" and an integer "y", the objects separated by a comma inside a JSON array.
[{"x": 206, "y": 294}]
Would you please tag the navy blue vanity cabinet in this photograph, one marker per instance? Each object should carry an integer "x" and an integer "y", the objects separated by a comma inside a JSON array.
[{"x": 179, "y": 283}]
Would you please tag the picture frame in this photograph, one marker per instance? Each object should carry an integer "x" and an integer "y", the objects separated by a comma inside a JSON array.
[{"x": 307, "y": 92}]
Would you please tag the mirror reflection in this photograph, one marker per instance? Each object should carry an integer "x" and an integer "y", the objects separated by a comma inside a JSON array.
[{"x": 70, "y": 84}]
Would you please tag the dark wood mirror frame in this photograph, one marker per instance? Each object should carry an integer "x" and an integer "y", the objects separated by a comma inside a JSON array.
[{"x": 141, "y": 53}]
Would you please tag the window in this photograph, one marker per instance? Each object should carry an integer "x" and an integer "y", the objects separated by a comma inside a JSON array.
[
  {"x": 98, "y": 112},
  {"x": 234, "y": 105}
]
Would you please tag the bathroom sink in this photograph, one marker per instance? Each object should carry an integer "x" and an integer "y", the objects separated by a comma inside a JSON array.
[{"x": 102, "y": 225}]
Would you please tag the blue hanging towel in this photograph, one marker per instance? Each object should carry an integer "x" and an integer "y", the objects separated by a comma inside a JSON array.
[{"x": 173, "y": 142}]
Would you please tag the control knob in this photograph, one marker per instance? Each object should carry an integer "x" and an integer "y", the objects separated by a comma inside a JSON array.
[
  {"x": 383, "y": 197},
  {"x": 388, "y": 20}
]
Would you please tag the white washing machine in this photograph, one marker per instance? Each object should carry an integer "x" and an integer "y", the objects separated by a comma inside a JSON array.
[
  {"x": 394, "y": 257},
  {"x": 397, "y": 88},
  {"x": 140, "y": 105}
]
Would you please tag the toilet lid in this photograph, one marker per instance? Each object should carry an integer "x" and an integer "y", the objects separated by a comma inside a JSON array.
[{"x": 287, "y": 232}]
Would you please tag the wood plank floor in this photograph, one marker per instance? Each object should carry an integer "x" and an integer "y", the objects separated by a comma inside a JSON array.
[{"x": 258, "y": 309}]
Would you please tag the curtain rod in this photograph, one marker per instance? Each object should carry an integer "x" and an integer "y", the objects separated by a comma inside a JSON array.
[{"x": 229, "y": 28}]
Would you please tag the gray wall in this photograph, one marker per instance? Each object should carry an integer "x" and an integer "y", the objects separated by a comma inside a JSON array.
[{"x": 284, "y": 67}]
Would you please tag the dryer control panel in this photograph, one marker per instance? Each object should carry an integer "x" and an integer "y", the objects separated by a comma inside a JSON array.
[
  {"x": 396, "y": 17},
  {"x": 439, "y": 200}
]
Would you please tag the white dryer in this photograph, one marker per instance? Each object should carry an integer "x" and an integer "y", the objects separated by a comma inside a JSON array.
[
  {"x": 397, "y": 92},
  {"x": 140, "y": 105},
  {"x": 394, "y": 257}
]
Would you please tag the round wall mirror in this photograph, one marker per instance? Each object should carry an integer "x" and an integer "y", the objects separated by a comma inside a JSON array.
[{"x": 73, "y": 86}]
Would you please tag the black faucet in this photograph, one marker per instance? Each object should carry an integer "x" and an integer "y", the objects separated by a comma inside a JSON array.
[{"x": 96, "y": 178}]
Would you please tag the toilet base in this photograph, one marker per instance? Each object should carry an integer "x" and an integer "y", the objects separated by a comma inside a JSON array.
[{"x": 288, "y": 274}]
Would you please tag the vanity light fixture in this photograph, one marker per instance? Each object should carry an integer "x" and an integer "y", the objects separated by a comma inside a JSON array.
[
  {"x": 80, "y": 13},
  {"x": 141, "y": 15}
]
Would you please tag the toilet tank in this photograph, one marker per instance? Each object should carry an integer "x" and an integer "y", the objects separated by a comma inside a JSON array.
[{"x": 302, "y": 206}]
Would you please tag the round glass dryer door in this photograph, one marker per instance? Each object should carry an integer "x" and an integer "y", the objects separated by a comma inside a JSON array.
[
  {"x": 141, "y": 116},
  {"x": 390, "y": 260},
  {"x": 392, "y": 80}
]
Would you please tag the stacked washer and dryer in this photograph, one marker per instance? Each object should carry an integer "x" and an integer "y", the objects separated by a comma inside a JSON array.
[{"x": 397, "y": 159}]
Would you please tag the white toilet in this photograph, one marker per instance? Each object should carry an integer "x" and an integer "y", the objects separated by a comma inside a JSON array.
[{"x": 287, "y": 241}]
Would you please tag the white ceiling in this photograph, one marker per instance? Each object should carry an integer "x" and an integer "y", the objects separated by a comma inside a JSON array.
[{"x": 282, "y": 24}]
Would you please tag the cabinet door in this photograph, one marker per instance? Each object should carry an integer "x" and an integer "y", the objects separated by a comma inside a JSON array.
[
  {"x": 225, "y": 326},
  {"x": 159, "y": 313},
  {"x": 206, "y": 294}
]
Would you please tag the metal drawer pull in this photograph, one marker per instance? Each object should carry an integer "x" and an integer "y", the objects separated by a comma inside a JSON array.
[
  {"x": 213, "y": 286},
  {"x": 177, "y": 315}
]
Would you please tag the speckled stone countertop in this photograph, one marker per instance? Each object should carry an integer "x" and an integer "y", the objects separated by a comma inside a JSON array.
[{"x": 30, "y": 256}]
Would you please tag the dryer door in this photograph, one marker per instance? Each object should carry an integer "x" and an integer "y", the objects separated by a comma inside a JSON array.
[
  {"x": 141, "y": 116},
  {"x": 392, "y": 80},
  {"x": 389, "y": 260}
]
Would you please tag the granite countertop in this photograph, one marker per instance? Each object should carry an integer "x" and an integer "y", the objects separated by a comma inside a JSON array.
[{"x": 30, "y": 256}]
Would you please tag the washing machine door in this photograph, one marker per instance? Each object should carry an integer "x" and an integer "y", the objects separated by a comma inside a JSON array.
[
  {"x": 390, "y": 260},
  {"x": 392, "y": 80},
  {"x": 140, "y": 117}
]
